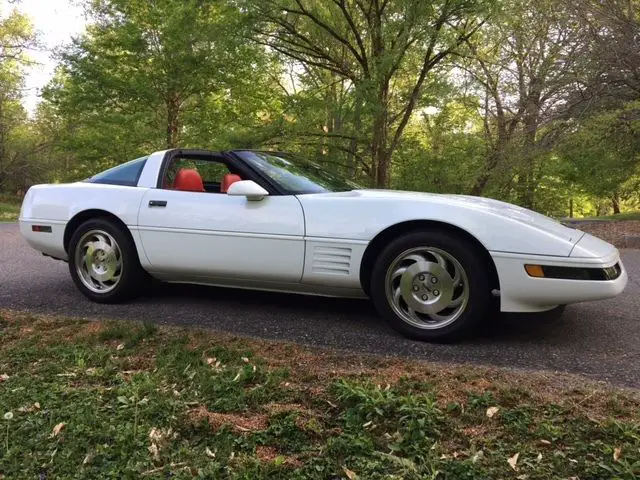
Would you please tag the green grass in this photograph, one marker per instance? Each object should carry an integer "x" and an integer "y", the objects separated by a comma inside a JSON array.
[
  {"x": 9, "y": 208},
  {"x": 128, "y": 400},
  {"x": 620, "y": 216}
]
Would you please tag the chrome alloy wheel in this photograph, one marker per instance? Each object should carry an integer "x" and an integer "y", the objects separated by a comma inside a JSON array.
[
  {"x": 427, "y": 287},
  {"x": 98, "y": 261}
]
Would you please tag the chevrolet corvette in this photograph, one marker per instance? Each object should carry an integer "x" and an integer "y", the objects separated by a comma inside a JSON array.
[{"x": 434, "y": 265}]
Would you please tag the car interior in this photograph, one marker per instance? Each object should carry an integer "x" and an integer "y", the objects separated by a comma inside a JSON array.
[{"x": 197, "y": 175}]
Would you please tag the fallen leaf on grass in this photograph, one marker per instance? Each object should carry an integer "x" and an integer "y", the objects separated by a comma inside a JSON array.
[
  {"x": 617, "y": 453},
  {"x": 209, "y": 453},
  {"x": 245, "y": 359},
  {"x": 491, "y": 411},
  {"x": 57, "y": 429},
  {"x": 545, "y": 442},
  {"x": 350, "y": 474},
  {"x": 120, "y": 347},
  {"x": 154, "y": 451},
  {"x": 513, "y": 461},
  {"x": 32, "y": 408},
  {"x": 159, "y": 469},
  {"x": 88, "y": 459},
  {"x": 477, "y": 456},
  {"x": 539, "y": 458}
]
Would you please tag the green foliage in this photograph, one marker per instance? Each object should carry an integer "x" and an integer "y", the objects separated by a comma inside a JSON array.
[
  {"x": 17, "y": 141},
  {"x": 602, "y": 153},
  {"x": 148, "y": 76},
  {"x": 446, "y": 96},
  {"x": 9, "y": 212},
  {"x": 387, "y": 52}
]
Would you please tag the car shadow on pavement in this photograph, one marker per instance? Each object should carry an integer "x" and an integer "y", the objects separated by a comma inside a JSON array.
[{"x": 313, "y": 313}]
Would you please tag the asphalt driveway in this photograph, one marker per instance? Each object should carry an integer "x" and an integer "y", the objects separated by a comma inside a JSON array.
[{"x": 600, "y": 339}]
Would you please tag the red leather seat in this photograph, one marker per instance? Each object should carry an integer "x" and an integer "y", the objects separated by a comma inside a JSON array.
[
  {"x": 228, "y": 180},
  {"x": 188, "y": 180}
]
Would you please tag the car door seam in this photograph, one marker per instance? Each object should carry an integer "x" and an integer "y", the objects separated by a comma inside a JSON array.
[{"x": 304, "y": 239}]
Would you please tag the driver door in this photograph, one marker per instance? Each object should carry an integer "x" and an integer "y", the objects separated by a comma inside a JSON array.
[{"x": 203, "y": 233}]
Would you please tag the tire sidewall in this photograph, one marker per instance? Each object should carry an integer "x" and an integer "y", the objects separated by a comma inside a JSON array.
[
  {"x": 130, "y": 280},
  {"x": 471, "y": 260}
]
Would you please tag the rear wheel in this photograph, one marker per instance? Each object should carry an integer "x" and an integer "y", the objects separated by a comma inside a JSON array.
[
  {"x": 104, "y": 263},
  {"x": 431, "y": 285}
]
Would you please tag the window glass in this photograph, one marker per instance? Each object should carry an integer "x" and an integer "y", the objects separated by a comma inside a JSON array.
[
  {"x": 296, "y": 176},
  {"x": 126, "y": 174}
]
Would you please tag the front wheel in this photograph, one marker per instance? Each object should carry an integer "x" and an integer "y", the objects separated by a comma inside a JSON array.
[
  {"x": 104, "y": 263},
  {"x": 431, "y": 285}
]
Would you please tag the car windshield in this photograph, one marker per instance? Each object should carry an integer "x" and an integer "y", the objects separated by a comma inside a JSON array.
[{"x": 296, "y": 176}]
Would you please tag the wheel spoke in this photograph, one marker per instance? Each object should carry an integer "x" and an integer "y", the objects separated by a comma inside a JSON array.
[
  {"x": 88, "y": 257},
  {"x": 415, "y": 258},
  {"x": 456, "y": 302},
  {"x": 440, "y": 259},
  {"x": 398, "y": 273},
  {"x": 397, "y": 295},
  {"x": 456, "y": 277}
]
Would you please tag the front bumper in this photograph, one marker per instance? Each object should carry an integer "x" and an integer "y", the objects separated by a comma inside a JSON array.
[{"x": 593, "y": 271}]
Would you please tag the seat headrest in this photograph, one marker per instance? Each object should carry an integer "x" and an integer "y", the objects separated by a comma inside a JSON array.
[
  {"x": 189, "y": 180},
  {"x": 228, "y": 180}
]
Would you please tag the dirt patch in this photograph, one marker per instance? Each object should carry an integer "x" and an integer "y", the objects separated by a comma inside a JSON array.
[
  {"x": 275, "y": 408},
  {"x": 621, "y": 233},
  {"x": 266, "y": 454},
  {"x": 271, "y": 455},
  {"x": 240, "y": 423}
]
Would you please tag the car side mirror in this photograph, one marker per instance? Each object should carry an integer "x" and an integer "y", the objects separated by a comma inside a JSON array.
[{"x": 247, "y": 188}]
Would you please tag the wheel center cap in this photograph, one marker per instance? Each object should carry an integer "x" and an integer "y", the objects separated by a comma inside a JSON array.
[{"x": 426, "y": 287}]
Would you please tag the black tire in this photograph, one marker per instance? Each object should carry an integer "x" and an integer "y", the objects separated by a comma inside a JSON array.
[
  {"x": 133, "y": 278},
  {"x": 469, "y": 257}
]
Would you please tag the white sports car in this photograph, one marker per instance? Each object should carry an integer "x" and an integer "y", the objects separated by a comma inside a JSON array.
[{"x": 433, "y": 265}]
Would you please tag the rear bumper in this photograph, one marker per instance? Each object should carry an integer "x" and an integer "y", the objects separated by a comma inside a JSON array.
[
  {"x": 520, "y": 292},
  {"x": 50, "y": 243}
]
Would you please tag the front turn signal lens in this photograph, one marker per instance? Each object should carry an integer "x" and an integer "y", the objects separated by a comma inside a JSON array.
[{"x": 534, "y": 271}]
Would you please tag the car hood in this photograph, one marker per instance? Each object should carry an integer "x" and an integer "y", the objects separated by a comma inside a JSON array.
[{"x": 487, "y": 205}]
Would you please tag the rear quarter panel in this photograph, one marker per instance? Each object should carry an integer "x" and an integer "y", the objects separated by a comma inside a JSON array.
[{"x": 56, "y": 205}]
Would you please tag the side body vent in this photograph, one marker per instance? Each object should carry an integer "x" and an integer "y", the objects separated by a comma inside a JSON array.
[{"x": 331, "y": 260}]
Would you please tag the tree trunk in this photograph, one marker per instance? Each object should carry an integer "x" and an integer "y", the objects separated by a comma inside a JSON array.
[
  {"x": 379, "y": 152},
  {"x": 353, "y": 147},
  {"x": 527, "y": 178},
  {"x": 571, "y": 207},
  {"x": 173, "y": 121},
  {"x": 495, "y": 158},
  {"x": 615, "y": 200},
  {"x": 2, "y": 145}
]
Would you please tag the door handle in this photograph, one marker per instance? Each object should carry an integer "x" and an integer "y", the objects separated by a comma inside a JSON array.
[{"x": 157, "y": 203}]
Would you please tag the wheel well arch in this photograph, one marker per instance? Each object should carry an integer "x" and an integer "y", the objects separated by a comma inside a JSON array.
[
  {"x": 81, "y": 217},
  {"x": 386, "y": 236}
]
